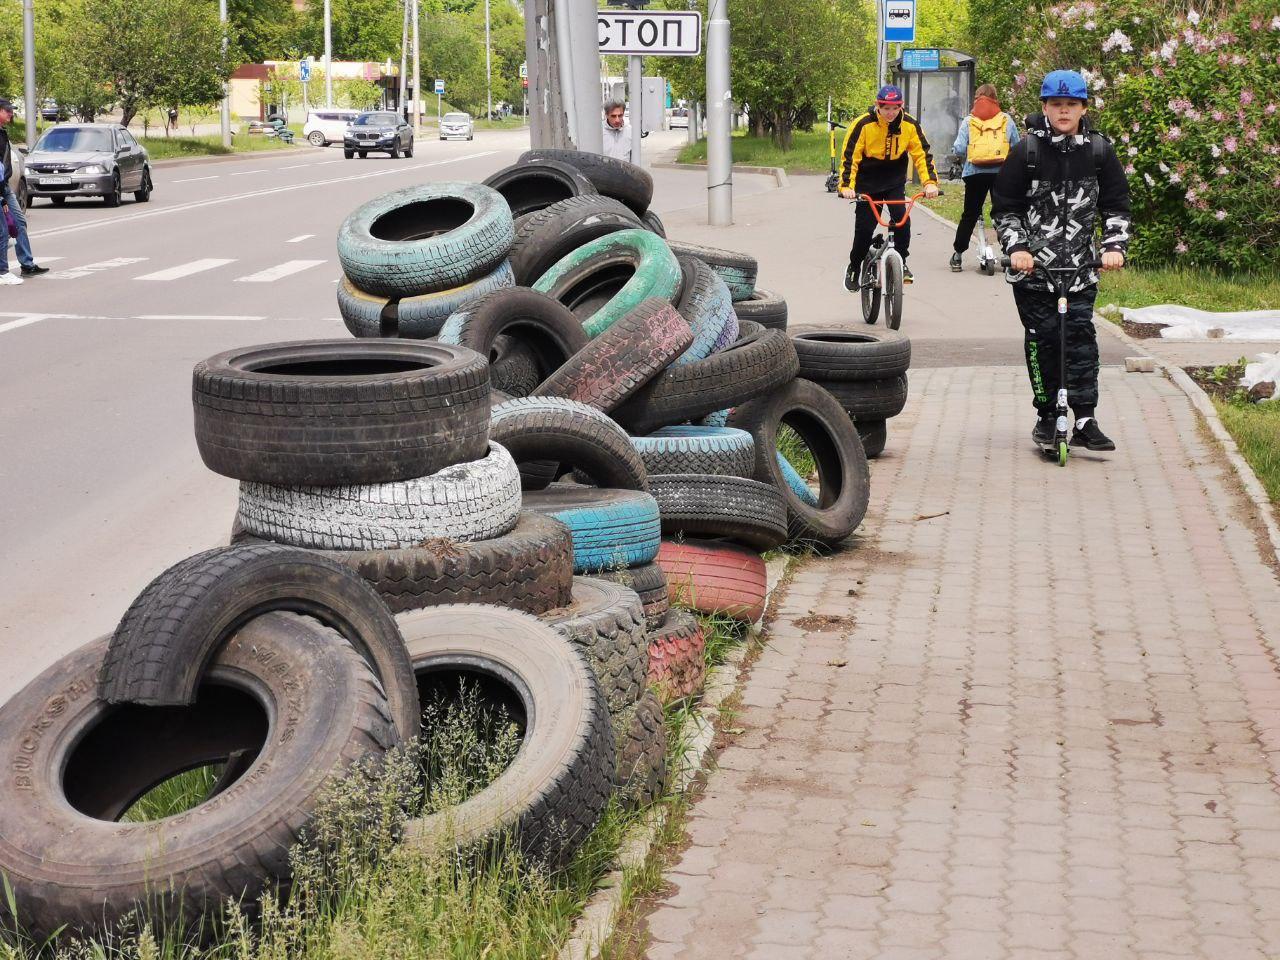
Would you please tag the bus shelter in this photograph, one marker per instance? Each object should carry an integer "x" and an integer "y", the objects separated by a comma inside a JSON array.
[{"x": 937, "y": 85}]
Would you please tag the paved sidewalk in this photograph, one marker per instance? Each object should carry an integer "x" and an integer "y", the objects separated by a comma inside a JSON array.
[{"x": 1036, "y": 713}]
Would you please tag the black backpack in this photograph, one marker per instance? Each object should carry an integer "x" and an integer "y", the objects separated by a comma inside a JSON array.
[{"x": 1097, "y": 141}]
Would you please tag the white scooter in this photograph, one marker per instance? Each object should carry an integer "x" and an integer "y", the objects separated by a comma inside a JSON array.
[{"x": 986, "y": 255}]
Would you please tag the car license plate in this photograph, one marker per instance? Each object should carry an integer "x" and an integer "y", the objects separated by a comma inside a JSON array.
[{"x": 51, "y": 181}]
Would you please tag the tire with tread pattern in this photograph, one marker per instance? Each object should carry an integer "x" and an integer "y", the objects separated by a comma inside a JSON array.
[
  {"x": 849, "y": 354},
  {"x": 653, "y": 222},
  {"x": 737, "y": 270},
  {"x": 422, "y": 317},
  {"x": 723, "y": 451},
  {"x": 870, "y": 399},
  {"x": 69, "y": 861},
  {"x": 715, "y": 577},
  {"x": 677, "y": 667},
  {"x": 612, "y": 529},
  {"x": 329, "y": 412},
  {"x": 530, "y": 187},
  {"x": 641, "y": 767},
  {"x": 623, "y": 181},
  {"x": 545, "y": 237},
  {"x": 764, "y": 307},
  {"x": 565, "y": 432},
  {"x": 746, "y": 511},
  {"x": 540, "y": 322},
  {"x": 554, "y": 791},
  {"x": 874, "y": 434},
  {"x": 704, "y": 302},
  {"x": 650, "y": 584}
]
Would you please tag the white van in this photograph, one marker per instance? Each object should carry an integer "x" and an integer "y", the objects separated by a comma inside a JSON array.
[{"x": 324, "y": 127}]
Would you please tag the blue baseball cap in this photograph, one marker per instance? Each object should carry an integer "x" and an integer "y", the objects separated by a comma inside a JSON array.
[
  {"x": 1064, "y": 83},
  {"x": 889, "y": 94}
]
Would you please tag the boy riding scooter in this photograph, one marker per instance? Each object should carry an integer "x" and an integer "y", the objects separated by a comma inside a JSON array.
[{"x": 1047, "y": 200}]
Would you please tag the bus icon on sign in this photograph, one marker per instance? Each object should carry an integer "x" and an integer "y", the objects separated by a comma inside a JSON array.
[{"x": 900, "y": 13}]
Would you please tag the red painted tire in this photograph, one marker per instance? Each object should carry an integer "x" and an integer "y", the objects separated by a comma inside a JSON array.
[
  {"x": 715, "y": 577},
  {"x": 677, "y": 666},
  {"x": 621, "y": 360}
]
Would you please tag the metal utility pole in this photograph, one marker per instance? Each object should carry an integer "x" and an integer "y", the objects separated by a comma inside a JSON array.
[
  {"x": 29, "y": 71},
  {"x": 488, "y": 63},
  {"x": 719, "y": 106},
  {"x": 226, "y": 98},
  {"x": 880, "y": 44},
  {"x": 635, "y": 93},
  {"x": 417, "y": 76},
  {"x": 563, "y": 52},
  {"x": 404, "y": 57},
  {"x": 328, "y": 54}
]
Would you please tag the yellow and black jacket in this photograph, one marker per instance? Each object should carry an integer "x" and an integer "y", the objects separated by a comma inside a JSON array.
[{"x": 875, "y": 153}]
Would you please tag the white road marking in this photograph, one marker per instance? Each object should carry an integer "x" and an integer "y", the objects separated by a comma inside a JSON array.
[
  {"x": 186, "y": 269},
  {"x": 280, "y": 270},
  {"x": 300, "y": 237},
  {"x": 42, "y": 261},
  {"x": 195, "y": 316},
  {"x": 194, "y": 179},
  {"x": 254, "y": 194},
  {"x": 244, "y": 173},
  {"x": 24, "y": 321},
  {"x": 325, "y": 163},
  {"x": 294, "y": 166},
  {"x": 89, "y": 269}
]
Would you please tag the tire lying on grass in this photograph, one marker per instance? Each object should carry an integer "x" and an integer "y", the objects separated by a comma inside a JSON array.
[
  {"x": 612, "y": 529},
  {"x": 737, "y": 270},
  {"x": 529, "y": 569},
  {"x": 164, "y": 642},
  {"x": 551, "y": 430},
  {"x": 641, "y": 771},
  {"x": 555, "y": 789},
  {"x": 843, "y": 477},
  {"x": 606, "y": 620},
  {"x": 604, "y": 280},
  {"x": 650, "y": 584},
  {"x": 715, "y": 577},
  {"x": 467, "y": 501},
  {"x": 545, "y": 237},
  {"x": 743, "y": 510},
  {"x": 623, "y": 358},
  {"x": 424, "y": 238},
  {"x": 677, "y": 665},
  {"x": 529, "y": 187},
  {"x": 328, "y": 412},
  {"x": 286, "y": 705},
  {"x": 623, "y": 181}
]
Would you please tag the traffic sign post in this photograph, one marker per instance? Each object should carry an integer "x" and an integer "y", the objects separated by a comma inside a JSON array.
[
  {"x": 304, "y": 72},
  {"x": 439, "y": 94}
]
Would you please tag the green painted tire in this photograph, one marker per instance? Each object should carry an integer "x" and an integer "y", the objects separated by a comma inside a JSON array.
[
  {"x": 425, "y": 238},
  {"x": 604, "y": 280}
]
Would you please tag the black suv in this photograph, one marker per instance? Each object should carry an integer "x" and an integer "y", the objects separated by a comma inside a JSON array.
[{"x": 377, "y": 131}]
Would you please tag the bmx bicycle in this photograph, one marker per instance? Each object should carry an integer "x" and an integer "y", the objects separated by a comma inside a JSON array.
[
  {"x": 1061, "y": 278},
  {"x": 880, "y": 275}
]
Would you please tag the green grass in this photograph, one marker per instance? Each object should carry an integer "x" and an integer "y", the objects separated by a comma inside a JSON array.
[
  {"x": 950, "y": 204},
  {"x": 167, "y": 148},
  {"x": 1255, "y": 427},
  {"x": 809, "y": 152},
  {"x": 357, "y": 893}
]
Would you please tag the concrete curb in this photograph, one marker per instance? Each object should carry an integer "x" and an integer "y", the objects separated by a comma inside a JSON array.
[
  {"x": 228, "y": 157},
  {"x": 1253, "y": 488},
  {"x": 936, "y": 216},
  {"x": 600, "y": 915},
  {"x": 779, "y": 175}
]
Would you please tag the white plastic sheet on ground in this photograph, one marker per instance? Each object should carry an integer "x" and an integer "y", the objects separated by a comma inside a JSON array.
[
  {"x": 1186, "y": 323},
  {"x": 1265, "y": 368}
]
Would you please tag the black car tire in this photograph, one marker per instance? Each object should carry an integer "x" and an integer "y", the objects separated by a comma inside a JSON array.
[
  {"x": 706, "y": 505},
  {"x": 348, "y": 153},
  {"x": 848, "y": 354},
  {"x": 67, "y": 860},
  {"x": 308, "y": 413},
  {"x": 613, "y": 178},
  {"x": 568, "y": 433},
  {"x": 870, "y": 399},
  {"x": 143, "y": 193},
  {"x": 544, "y": 237},
  {"x": 530, "y": 186},
  {"x": 559, "y": 783},
  {"x": 57, "y": 201},
  {"x": 874, "y": 434},
  {"x": 765, "y": 308},
  {"x": 112, "y": 199}
]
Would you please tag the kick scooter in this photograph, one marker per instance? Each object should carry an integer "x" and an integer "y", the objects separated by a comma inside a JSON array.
[
  {"x": 986, "y": 255},
  {"x": 1061, "y": 278}
]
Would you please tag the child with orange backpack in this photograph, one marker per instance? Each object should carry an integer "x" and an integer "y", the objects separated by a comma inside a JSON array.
[{"x": 984, "y": 140}]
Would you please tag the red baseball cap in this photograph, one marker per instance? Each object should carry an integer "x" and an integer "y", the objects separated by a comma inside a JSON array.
[{"x": 889, "y": 94}]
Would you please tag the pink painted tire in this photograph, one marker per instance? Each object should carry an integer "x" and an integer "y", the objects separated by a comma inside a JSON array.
[
  {"x": 677, "y": 665},
  {"x": 712, "y": 576},
  {"x": 622, "y": 359}
]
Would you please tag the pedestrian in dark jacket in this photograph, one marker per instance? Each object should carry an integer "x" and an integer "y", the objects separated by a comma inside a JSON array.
[
  {"x": 1048, "y": 215},
  {"x": 22, "y": 243}
]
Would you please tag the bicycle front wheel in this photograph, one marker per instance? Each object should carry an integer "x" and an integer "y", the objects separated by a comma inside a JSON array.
[
  {"x": 870, "y": 293},
  {"x": 892, "y": 292}
]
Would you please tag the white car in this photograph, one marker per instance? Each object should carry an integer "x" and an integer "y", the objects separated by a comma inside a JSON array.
[
  {"x": 324, "y": 127},
  {"x": 457, "y": 126},
  {"x": 678, "y": 118}
]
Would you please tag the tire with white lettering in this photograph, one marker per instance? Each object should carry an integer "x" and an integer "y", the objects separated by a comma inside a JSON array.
[
  {"x": 552, "y": 794},
  {"x": 286, "y": 706},
  {"x": 614, "y": 178},
  {"x": 425, "y": 238}
]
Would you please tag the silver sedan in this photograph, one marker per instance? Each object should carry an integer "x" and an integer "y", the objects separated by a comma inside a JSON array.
[{"x": 89, "y": 160}]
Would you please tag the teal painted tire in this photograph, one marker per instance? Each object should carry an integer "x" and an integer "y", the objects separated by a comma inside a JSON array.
[
  {"x": 721, "y": 451},
  {"x": 612, "y": 529},
  {"x": 425, "y": 238},
  {"x": 795, "y": 482},
  {"x": 706, "y": 305},
  {"x": 364, "y": 314},
  {"x": 604, "y": 280},
  {"x": 424, "y": 316}
]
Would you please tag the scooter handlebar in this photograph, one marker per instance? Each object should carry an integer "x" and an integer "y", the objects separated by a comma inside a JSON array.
[{"x": 1007, "y": 264}]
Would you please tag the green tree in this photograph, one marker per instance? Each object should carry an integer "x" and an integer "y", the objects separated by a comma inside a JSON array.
[
  {"x": 453, "y": 52},
  {"x": 264, "y": 29},
  {"x": 360, "y": 29}
]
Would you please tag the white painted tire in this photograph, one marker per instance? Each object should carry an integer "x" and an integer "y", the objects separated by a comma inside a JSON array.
[{"x": 465, "y": 502}]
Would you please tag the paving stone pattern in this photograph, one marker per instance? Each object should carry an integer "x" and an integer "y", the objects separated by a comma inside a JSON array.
[{"x": 1058, "y": 729}]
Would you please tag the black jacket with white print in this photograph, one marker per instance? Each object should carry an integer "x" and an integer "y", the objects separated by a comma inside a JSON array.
[{"x": 1054, "y": 215}]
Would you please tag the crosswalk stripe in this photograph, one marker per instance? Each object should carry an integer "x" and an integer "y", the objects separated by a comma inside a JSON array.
[
  {"x": 89, "y": 269},
  {"x": 42, "y": 261},
  {"x": 280, "y": 270},
  {"x": 300, "y": 237},
  {"x": 186, "y": 269},
  {"x": 23, "y": 322}
]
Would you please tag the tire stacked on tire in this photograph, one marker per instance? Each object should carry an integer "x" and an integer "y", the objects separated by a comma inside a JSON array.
[
  {"x": 412, "y": 257},
  {"x": 865, "y": 370}
]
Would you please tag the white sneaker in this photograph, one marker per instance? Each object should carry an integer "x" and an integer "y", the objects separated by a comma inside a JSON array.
[{"x": 10, "y": 280}]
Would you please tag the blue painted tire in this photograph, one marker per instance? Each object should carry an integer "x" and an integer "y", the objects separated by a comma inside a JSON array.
[
  {"x": 796, "y": 482},
  {"x": 612, "y": 529},
  {"x": 706, "y": 304},
  {"x": 424, "y": 316},
  {"x": 718, "y": 419},
  {"x": 721, "y": 451}
]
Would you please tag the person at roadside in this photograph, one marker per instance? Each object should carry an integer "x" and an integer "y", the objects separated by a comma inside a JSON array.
[
  {"x": 22, "y": 242},
  {"x": 874, "y": 162},
  {"x": 617, "y": 131},
  {"x": 984, "y": 140},
  {"x": 1055, "y": 186}
]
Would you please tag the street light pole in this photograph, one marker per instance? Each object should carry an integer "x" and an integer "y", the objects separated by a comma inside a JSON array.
[
  {"x": 29, "y": 71},
  {"x": 226, "y": 96},
  {"x": 404, "y": 57},
  {"x": 488, "y": 66},
  {"x": 328, "y": 54},
  {"x": 417, "y": 77}
]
